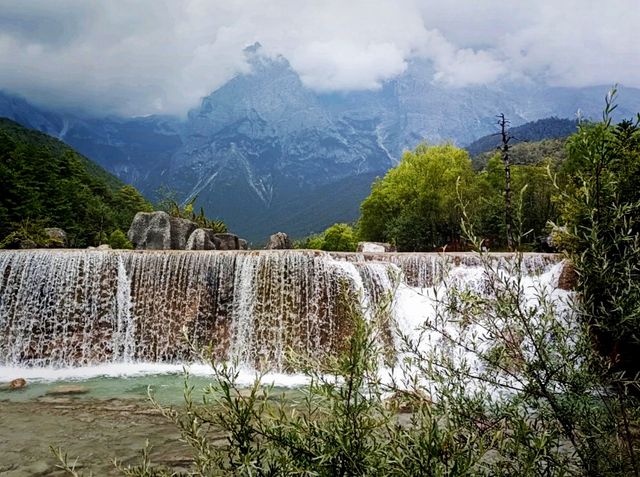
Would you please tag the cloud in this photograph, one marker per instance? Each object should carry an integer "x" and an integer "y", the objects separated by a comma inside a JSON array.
[{"x": 136, "y": 57}]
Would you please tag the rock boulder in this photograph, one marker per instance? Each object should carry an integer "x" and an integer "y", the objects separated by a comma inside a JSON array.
[
  {"x": 57, "y": 237},
  {"x": 181, "y": 230},
  {"x": 243, "y": 244},
  {"x": 375, "y": 247},
  {"x": 226, "y": 242},
  {"x": 17, "y": 383},
  {"x": 279, "y": 241},
  {"x": 159, "y": 231},
  {"x": 150, "y": 231},
  {"x": 201, "y": 239},
  {"x": 28, "y": 243}
]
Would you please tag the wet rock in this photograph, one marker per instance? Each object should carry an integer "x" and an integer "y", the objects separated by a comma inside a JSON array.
[
  {"x": 201, "y": 239},
  {"x": 279, "y": 241},
  {"x": 57, "y": 237},
  {"x": 243, "y": 244},
  {"x": 568, "y": 277},
  {"x": 18, "y": 383},
  {"x": 67, "y": 389},
  {"x": 375, "y": 247},
  {"x": 226, "y": 242}
]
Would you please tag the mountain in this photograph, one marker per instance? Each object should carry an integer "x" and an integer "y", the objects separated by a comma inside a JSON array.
[
  {"x": 264, "y": 153},
  {"x": 45, "y": 183}
]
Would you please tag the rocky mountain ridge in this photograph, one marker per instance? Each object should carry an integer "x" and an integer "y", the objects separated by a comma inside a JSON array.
[{"x": 264, "y": 152}]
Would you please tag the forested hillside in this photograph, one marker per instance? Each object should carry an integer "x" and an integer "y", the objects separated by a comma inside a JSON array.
[
  {"x": 45, "y": 183},
  {"x": 543, "y": 129},
  {"x": 553, "y": 150}
]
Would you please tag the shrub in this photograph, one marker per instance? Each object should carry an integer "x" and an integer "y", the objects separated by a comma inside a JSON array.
[
  {"x": 602, "y": 211},
  {"x": 339, "y": 238},
  {"x": 28, "y": 234},
  {"x": 118, "y": 240}
]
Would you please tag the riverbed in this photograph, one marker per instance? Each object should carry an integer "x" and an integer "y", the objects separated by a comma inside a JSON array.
[{"x": 112, "y": 419}]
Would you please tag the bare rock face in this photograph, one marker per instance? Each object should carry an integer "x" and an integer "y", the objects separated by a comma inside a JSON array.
[
  {"x": 244, "y": 245},
  {"x": 226, "y": 242},
  {"x": 201, "y": 239},
  {"x": 159, "y": 231},
  {"x": 181, "y": 230},
  {"x": 57, "y": 237},
  {"x": 375, "y": 247},
  {"x": 279, "y": 241}
]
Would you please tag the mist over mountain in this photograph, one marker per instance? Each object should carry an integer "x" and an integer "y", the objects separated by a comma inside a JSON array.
[{"x": 266, "y": 153}]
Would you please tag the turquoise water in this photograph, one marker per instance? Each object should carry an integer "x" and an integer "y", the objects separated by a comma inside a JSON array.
[
  {"x": 166, "y": 388},
  {"x": 166, "y": 385}
]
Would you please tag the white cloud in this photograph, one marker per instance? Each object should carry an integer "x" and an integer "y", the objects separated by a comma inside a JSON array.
[{"x": 136, "y": 57}]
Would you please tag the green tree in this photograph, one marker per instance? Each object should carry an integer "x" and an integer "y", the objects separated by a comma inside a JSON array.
[
  {"x": 533, "y": 201},
  {"x": 311, "y": 242},
  {"x": 339, "y": 238},
  {"x": 415, "y": 204},
  {"x": 336, "y": 238}
]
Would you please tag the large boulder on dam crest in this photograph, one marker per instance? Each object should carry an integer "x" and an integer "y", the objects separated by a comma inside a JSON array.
[
  {"x": 226, "y": 242},
  {"x": 159, "y": 231},
  {"x": 181, "y": 230},
  {"x": 201, "y": 239},
  {"x": 375, "y": 247},
  {"x": 150, "y": 231},
  {"x": 279, "y": 241}
]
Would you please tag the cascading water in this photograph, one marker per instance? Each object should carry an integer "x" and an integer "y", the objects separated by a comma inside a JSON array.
[{"x": 87, "y": 307}]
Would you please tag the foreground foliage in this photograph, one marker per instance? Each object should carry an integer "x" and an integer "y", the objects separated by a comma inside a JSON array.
[{"x": 601, "y": 207}]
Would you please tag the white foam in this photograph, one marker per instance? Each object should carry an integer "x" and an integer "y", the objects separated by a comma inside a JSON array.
[{"x": 124, "y": 370}]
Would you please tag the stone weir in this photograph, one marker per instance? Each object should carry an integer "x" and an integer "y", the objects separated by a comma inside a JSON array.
[{"x": 81, "y": 307}]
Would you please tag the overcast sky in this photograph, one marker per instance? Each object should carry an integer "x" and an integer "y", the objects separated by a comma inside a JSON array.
[{"x": 137, "y": 57}]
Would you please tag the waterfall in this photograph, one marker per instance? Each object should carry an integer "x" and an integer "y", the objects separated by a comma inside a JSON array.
[
  {"x": 124, "y": 332},
  {"x": 85, "y": 307}
]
